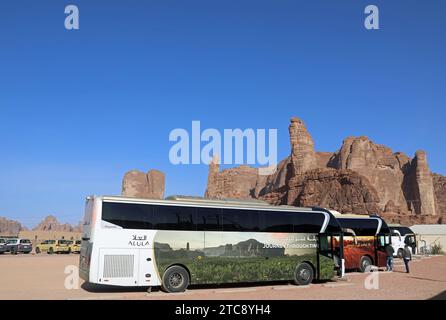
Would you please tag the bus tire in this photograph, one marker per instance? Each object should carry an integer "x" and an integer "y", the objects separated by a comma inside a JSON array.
[
  {"x": 175, "y": 279},
  {"x": 304, "y": 274},
  {"x": 399, "y": 254},
  {"x": 365, "y": 263}
]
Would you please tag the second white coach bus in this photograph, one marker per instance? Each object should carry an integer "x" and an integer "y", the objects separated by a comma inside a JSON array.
[{"x": 180, "y": 241}]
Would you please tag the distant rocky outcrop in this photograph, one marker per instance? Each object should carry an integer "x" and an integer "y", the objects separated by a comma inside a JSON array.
[
  {"x": 148, "y": 185},
  {"x": 50, "y": 223},
  {"x": 10, "y": 227},
  {"x": 361, "y": 177}
]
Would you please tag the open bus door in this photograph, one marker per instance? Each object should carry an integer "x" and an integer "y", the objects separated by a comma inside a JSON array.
[{"x": 330, "y": 246}]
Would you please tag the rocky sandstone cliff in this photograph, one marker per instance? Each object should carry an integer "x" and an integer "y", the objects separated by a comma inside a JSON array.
[
  {"x": 361, "y": 177},
  {"x": 148, "y": 185}
]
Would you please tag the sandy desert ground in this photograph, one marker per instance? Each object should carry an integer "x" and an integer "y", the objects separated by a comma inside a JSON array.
[{"x": 43, "y": 277}]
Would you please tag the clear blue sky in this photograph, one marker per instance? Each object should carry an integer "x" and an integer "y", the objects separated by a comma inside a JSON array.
[{"x": 80, "y": 108}]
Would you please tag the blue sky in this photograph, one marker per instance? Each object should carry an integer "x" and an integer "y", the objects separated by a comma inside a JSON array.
[{"x": 80, "y": 108}]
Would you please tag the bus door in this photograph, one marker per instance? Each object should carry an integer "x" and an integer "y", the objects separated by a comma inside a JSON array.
[
  {"x": 381, "y": 241},
  {"x": 328, "y": 247}
]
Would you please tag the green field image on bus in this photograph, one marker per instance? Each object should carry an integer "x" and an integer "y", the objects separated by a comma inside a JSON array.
[{"x": 239, "y": 257}]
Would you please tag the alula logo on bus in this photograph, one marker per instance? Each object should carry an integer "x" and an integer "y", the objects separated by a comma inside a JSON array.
[
  {"x": 139, "y": 241},
  {"x": 203, "y": 147}
]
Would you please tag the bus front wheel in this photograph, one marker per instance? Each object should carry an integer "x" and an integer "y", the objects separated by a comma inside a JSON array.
[
  {"x": 304, "y": 274},
  {"x": 175, "y": 279},
  {"x": 365, "y": 264}
]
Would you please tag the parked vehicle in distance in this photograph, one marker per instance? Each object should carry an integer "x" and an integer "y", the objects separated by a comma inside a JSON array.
[
  {"x": 15, "y": 246},
  {"x": 400, "y": 237},
  {"x": 53, "y": 246},
  {"x": 75, "y": 246},
  {"x": 2, "y": 246}
]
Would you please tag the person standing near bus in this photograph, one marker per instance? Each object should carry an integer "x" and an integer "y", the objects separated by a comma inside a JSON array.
[
  {"x": 407, "y": 256},
  {"x": 389, "y": 252}
]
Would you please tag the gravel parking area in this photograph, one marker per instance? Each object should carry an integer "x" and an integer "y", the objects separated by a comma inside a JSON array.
[{"x": 43, "y": 277}]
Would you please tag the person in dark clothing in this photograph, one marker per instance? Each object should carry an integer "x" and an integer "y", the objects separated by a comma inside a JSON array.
[
  {"x": 389, "y": 252},
  {"x": 407, "y": 256}
]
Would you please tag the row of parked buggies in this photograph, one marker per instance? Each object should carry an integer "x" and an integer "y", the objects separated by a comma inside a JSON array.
[{"x": 15, "y": 246}]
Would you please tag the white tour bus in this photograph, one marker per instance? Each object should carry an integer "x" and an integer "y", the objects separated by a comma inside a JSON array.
[
  {"x": 400, "y": 237},
  {"x": 184, "y": 240}
]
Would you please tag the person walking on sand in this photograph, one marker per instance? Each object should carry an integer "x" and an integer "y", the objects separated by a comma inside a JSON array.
[
  {"x": 407, "y": 256},
  {"x": 389, "y": 252}
]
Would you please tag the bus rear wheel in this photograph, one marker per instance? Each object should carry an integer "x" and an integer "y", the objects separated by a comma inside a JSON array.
[
  {"x": 304, "y": 274},
  {"x": 175, "y": 279},
  {"x": 364, "y": 264}
]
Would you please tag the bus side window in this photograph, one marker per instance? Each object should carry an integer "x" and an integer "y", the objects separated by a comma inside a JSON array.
[
  {"x": 174, "y": 218},
  {"x": 276, "y": 222},
  {"x": 240, "y": 220},
  {"x": 209, "y": 219},
  {"x": 308, "y": 222}
]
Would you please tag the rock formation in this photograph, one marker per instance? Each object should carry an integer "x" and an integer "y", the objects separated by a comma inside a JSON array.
[
  {"x": 303, "y": 155},
  {"x": 239, "y": 183},
  {"x": 361, "y": 177},
  {"x": 148, "y": 185},
  {"x": 341, "y": 190},
  {"x": 378, "y": 164},
  {"x": 50, "y": 223},
  {"x": 440, "y": 194},
  {"x": 10, "y": 228},
  {"x": 424, "y": 187}
]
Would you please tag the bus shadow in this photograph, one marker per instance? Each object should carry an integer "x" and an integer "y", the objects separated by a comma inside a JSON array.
[
  {"x": 101, "y": 288},
  {"x": 238, "y": 285},
  {"x": 440, "y": 296}
]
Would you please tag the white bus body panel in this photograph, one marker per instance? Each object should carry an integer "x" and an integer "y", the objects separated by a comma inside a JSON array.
[{"x": 125, "y": 258}]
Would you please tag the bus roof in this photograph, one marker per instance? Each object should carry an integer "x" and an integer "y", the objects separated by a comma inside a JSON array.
[
  {"x": 337, "y": 214},
  {"x": 223, "y": 203}
]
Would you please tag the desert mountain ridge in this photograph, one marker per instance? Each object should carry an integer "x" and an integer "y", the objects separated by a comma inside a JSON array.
[{"x": 49, "y": 223}]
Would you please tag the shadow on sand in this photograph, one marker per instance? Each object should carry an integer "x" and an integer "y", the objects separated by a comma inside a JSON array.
[
  {"x": 96, "y": 288},
  {"x": 441, "y": 296}
]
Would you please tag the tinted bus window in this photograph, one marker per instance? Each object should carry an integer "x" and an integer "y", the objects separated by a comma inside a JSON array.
[
  {"x": 128, "y": 216},
  {"x": 240, "y": 220},
  {"x": 362, "y": 227},
  {"x": 403, "y": 230},
  {"x": 276, "y": 221},
  {"x": 209, "y": 219},
  {"x": 174, "y": 218},
  {"x": 308, "y": 222},
  {"x": 333, "y": 226}
]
